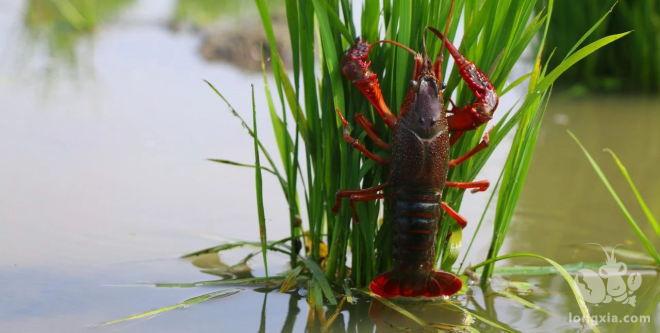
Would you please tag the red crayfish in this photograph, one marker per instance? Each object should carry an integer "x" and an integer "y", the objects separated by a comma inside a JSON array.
[{"x": 422, "y": 135}]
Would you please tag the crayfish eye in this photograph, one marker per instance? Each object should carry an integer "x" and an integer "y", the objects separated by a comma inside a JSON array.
[
  {"x": 414, "y": 84},
  {"x": 443, "y": 86}
]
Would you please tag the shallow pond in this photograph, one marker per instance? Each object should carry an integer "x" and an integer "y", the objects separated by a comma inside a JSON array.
[{"x": 104, "y": 184}]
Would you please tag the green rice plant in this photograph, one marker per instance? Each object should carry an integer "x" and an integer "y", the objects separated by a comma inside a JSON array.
[
  {"x": 529, "y": 124},
  {"x": 633, "y": 65},
  {"x": 495, "y": 34}
]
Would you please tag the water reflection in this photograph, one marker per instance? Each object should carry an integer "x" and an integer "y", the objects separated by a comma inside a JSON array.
[
  {"x": 199, "y": 13},
  {"x": 513, "y": 302},
  {"x": 70, "y": 222},
  {"x": 62, "y": 25}
]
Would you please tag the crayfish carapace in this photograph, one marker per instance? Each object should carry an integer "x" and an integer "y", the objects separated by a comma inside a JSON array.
[{"x": 422, "y": 135}]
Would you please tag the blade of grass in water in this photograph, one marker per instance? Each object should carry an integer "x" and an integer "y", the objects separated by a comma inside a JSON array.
[
  {"x": 564, "y": 274},
  {"x": 187, "y": 303},
  {"x": 394, "y": 307},
  {"x": 646, "y": 242},
  {"x": 481, "y": 318},
  {"x": 228, "y": 246},
  {"x": 529, "y": 270},
  {"x": 321, "y": 280},
  {"x": 256, "y": 281},
  {"x": 259, "y": 187},
  {"x": 521, "y": 300},
  {"x": 642, "y": 203}
]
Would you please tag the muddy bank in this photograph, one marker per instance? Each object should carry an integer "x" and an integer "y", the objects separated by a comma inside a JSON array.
[{"x": 243, "y": 45}]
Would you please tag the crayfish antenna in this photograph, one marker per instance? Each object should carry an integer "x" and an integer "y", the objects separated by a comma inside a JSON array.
[{"x": 397, "y": 44}]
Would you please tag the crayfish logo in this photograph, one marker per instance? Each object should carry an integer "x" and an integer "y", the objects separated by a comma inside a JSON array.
[{"x": 608, "y": 284}]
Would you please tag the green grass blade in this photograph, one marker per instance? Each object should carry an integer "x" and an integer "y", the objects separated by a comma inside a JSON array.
[
  {"x": 564, "y": 274},
  {"x": 187, "y": 303},
  {"x": 591, "y": 30},
  {"x": 648, "y": 245},
  {"x": 291, "y": 280},
  {"x": 321, "y": 280},
  {"x": 521, "y": 300},
  {"x": 482, "y": 319},
  {"x": 481, "y": 220},
  {"x": 239, "y": 164},
  {"x": 256, "y": 281},
  {"x": 395, "y": 307},
  {"x": 259, "y": 187},
  {"x": 548, "y": 80},
  {"x": 528, "y": 270},
  {"x": 336, "y": 23},
  {"x": 515, "y": 83},
  {"x": 250, "y": 131},
  {"x": 282, "y": 137},
  {"x": 642, "y": 203}
]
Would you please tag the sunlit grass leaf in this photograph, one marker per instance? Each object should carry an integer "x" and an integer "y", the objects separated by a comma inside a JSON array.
[
  {"x": 259, "y": 188},
  {"x": 185, "y": 304},
  {"x": 642, "y": 203},
  {"x": 579, "y": 299},
  {"x": 591, "y": 30},
  {"x": 280, "y": 131},
  {"x": 529, "y": 121},
  {"x": 645, "y": 241},
  {"x": 548, "y": 80},
  {"x": 515, "y": 83}
]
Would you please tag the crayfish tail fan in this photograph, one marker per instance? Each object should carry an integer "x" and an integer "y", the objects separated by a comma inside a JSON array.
[{"x": 390, "y": 285}]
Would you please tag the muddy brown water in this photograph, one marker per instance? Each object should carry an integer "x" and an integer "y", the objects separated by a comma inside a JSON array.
[{"x": 104, "y": 183}]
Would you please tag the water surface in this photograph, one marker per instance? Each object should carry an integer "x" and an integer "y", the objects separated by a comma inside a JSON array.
[{"x": 104, "y": 184}]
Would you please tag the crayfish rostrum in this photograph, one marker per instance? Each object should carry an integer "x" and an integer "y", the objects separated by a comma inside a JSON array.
[{"x": 422, "y": 134}]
